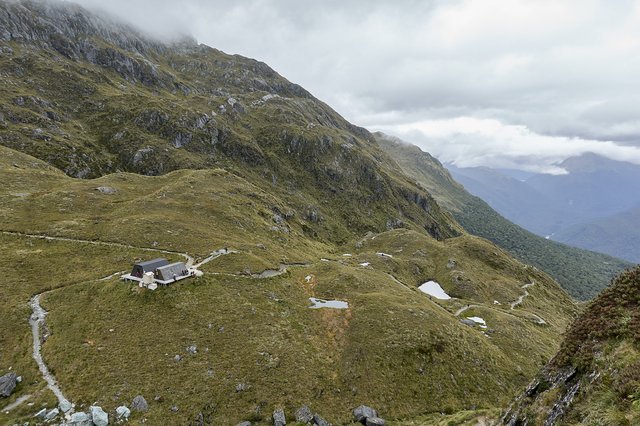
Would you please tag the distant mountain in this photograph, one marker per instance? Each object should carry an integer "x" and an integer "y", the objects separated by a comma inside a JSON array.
[
  {"x": 595, "y": 377},
  {"x": 582, "y": 273},
  {"x": 618, "y": 235},
  {"x": 593, "y": 206}
]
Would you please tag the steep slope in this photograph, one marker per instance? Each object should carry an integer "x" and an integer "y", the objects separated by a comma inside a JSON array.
[
  {"x": 101, "y": 98},
  {"x": 582, "y": 273},
  {"x": 617, "y": 235},
  {"x": 595, "y": 377}
]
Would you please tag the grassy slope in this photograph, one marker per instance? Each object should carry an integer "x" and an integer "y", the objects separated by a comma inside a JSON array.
[
  {"x": 394, "y": 348},
  {"x": 582, "y": 273},
  {"x": 603, "y": 346}
]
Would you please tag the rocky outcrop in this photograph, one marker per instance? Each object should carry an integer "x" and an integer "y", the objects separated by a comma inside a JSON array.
[
  {"x": 304, "y": 415},
  {"x": 7, "y": 384},
  {"x": 98, "y": 416},
  {"x": 363, "y": 412}
]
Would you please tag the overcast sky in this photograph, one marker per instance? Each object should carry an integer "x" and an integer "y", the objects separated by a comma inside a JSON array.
[{"x": 503, "y": 83}]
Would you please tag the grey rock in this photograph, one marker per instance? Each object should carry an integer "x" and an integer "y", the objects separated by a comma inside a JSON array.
[
  {"x": 80, "y": 419},
  {"x": 65, "y": 406},
  {"x": 468, "y": 322},
  {"x": 106, "y": 190},
  {"x": 7, "y": 384},
  {"x": 375, "y": 421},
  {"x": 42, "y": 413},
  {"x": 139, "y": 404},
  {"x": 51, "y": 414},
  {"x": 304, "y": 415},
  {"x": 19, "y": 379},
  {"x": 174, "y": 409},
  {"x": 193, "y": 349},
  {"x": 177, "y": 358},
  {"x": 319, "y": 421},
  {"x": 98, "y": 416},
  {"x": 362, "y": 413},
  {"x": 244, "y": 424},
  {"x": 279, "y": 418},
  {"x": 241, "y": 387},
  {"x": 122, "y": 412}
]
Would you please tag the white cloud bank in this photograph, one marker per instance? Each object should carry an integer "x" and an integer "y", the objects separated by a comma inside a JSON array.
[{"x": 555, "y": 77}]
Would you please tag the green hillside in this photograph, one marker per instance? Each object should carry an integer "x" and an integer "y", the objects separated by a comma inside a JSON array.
[
  {"x": 595, "y": 377},
  {"x": 582, "y": 273}
]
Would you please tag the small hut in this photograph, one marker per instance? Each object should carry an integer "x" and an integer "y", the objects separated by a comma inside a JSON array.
[
  {"x": 171, "y": 272},
  {"x": 149, "y": 266}
]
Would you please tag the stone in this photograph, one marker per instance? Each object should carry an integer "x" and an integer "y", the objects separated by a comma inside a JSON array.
[
  {"x": 42, "y": 413},
  {"x": 304, "y": 415},
  {"x": 65, "y": 406},
  {"x": 245, "y": 423},
  {"x": 80, "y": 419},
  {"x": 279, "y": 418},
  {"x": 374, "y": 421},
  {"x": 139, "y": 404},
  {"x": 362, "y": 413},
  {"x": 51, "y": 414},
  {"x": 122, "y": 412},
  {"x": 319, "y": 421},
  {"x": 106, "y": 190},
  {"x": 177, "y": 358},
  {"x": 241, "y": 387},
  {"x": 468, "y": 322},
  {"x": 7, "y": 384},
  {"x": 98, "y": 416},
  {"x": 193, "y": 349},
  {"x": 174, "y": 409}
]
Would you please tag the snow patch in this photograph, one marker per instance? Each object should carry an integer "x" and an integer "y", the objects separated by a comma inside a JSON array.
[
  {"x": 432, "y": 288},
  {"x": 482, "y": 323}
]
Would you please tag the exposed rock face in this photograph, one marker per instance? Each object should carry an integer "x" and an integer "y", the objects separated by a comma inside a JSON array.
[
  {"x": 7, "y": 384},
  {"x": 362, "y": 413},
  {"x": 139, "y": 404},
  {"x": 279, "y": 418}
]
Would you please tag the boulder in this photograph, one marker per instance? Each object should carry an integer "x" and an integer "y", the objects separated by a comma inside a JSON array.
[
  {"x": 106, "y": 190},
  {"x": 468, "y": 322},
  {"x": 304, "y": 415},
  {"x": 375, "y": 421},
  {"x": 65, "y": 406},
  {"x": 7, "y": 384},
  {"x": 245, "y": 423},
  {"x": 319, "y": 421},
  {"x": 122, "y": 412},
  {"x": 41, "y": 414},
  {"x": 139, "y": 404},
  {"x": 98, "y": 416},
  {"x": 51, "y": 414},
  {"x": 362, "y": 413},
  {"x": 279, "y": 418},
  {"x": 80, "y": 419}
]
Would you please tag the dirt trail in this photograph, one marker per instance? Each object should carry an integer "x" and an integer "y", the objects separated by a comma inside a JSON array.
[
  {"x": 16, "y": 403},
  {"x": 37, "y": 321},
  {"x": 521, "y": 298}
]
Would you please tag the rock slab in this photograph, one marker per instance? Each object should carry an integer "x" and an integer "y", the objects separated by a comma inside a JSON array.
[
  {"x": 122, "y": 412},
  {"x": 139, "y": 404},
  {"x": 362, "y": 413},
  {"x": 304, "y": 415},
  {"x": 98, "y": 416},
  {"x": 8, "y": 384},
  {"x": 80, "y": 419},
  {"x": 375, "y": 421},
  {"x": 279, "y": 418}
]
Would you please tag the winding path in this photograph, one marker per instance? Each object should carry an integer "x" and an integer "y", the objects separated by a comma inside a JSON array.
[
  {"x": 37, "y": 318},
  {"x": 16, "y": 403},
  {"x": 521, "y": 298},
  {"x": 37, "y": 321}
]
